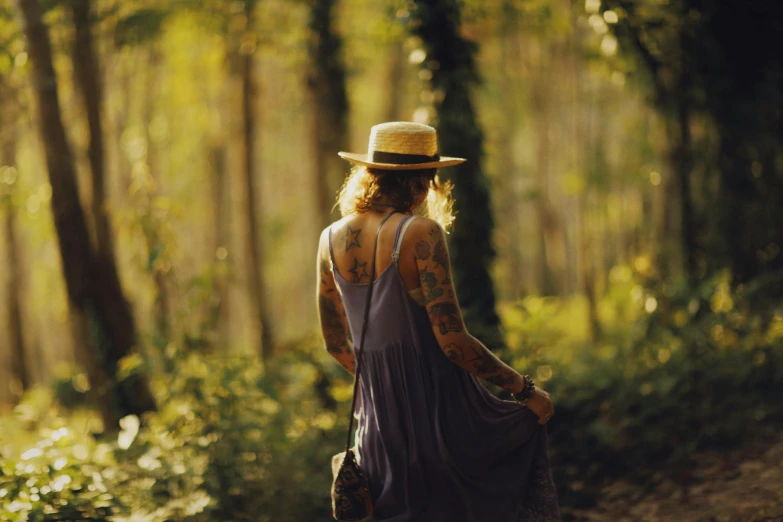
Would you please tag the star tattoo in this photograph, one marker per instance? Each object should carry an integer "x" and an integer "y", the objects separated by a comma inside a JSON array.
[
  {"x": 351, "y": 238},
  {"x": 359, "y": 270}
]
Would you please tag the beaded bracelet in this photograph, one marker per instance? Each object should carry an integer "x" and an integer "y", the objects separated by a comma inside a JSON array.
[{"x": 527, "y": 390}]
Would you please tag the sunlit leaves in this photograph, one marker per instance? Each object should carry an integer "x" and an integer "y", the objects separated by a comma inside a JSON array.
[{"x": 129, "y": 429}]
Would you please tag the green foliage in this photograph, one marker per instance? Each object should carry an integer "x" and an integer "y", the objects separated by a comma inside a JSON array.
[
  {"x": 696, "y": 370},
  {"x": 221, "y": 447},
  {"x": 51, "y": 469},
  {"x": 140, "y": 27},
  {"x": 677, "y": 371}
]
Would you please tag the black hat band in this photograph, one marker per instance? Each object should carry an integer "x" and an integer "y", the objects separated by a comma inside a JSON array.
[{"x": 396, "y": 158}]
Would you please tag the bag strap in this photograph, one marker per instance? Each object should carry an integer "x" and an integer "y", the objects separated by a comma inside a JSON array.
[{"x": 364, "y": 330}]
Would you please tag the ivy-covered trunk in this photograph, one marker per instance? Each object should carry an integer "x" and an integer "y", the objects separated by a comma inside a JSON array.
[
  {"x": 450, "y": 60},
  {"x": 326, "y": 83}
]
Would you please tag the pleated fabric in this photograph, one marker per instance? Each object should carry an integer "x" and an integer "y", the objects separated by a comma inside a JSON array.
[{"x": 436, "y": 445}]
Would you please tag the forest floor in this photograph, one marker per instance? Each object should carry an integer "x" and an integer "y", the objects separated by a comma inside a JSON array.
[{"x": 742, "y": 485}]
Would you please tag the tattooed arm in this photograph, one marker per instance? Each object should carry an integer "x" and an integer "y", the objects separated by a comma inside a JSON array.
[
  {"x": 334, "y": 324},
  {"x": 464, "y": 350}
]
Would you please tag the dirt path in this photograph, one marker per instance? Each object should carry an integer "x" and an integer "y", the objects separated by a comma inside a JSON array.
[{"x": 741, "y": 486}]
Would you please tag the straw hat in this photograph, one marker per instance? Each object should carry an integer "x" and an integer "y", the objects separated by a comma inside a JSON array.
[{"x": 402, "y": 145}]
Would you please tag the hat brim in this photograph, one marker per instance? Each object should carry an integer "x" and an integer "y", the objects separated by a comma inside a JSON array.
[{"x": 361, "y": 159}]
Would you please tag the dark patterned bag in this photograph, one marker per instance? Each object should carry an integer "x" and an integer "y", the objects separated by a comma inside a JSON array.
[
  {"x": 351, "y": 499},
  {"x": 350, "y": 490}
]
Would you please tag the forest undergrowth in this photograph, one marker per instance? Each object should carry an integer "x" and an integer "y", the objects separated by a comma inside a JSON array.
[{"x": 675, "y": 373}]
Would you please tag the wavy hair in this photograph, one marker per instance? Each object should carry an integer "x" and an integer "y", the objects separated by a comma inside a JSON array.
[{"x": 367, "y": 189}]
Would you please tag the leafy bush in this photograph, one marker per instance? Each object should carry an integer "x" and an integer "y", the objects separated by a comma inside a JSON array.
[
  {"x": 57, "y": 476},
  {"x": 696, "y": 369},
  {"x": 221, "y": 447}
]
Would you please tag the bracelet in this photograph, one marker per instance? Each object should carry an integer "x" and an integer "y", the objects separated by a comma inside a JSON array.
[{"x": 527, "y": 390}]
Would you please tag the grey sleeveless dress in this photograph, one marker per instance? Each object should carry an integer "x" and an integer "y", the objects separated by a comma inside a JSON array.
[{"x": 435, "y": 444}]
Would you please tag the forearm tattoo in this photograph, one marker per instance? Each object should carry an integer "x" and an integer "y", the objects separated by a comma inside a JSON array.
[{"x": 478, "y": 360}]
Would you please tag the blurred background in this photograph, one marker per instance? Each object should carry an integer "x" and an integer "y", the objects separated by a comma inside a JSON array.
[{"x": 166, "y": 169}]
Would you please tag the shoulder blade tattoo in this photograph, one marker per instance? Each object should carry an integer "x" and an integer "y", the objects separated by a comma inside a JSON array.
[
  {"x": 351, "y": 238},
  {"x": 359, "y": 270}
]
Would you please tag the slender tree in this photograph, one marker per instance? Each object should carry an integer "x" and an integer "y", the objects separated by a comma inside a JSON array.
[
  {"x": 450, "y": 60},
  {"x": 162, "y": 308},
  {"x": 88, "y": 79},
  {"x": 251, "y": 175},
  {"x": 547, "y": 223},
  {"x": 326, "y": 83},
  {"x": 509, "y": 55},
  {"x": 19, "y": 366},
  {"x": 98, "y": 308},
  {"x": 217, "y": 163},
  {"x": 394, "y": 81}
]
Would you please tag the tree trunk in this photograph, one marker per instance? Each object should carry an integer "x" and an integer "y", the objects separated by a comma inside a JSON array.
[
  {"x": 683, "y": 159},
  {"x": 583, "y": 143},
  {"x": 588, "y": 270},
  {"x": 162, "y": 306},
  {"x": 450, "y": 59},
  {"x": 94, "y": 295},
  {"x": 508, "y": 182},
  {"x": 682, "y": 169},
  {"x": 254, "y": 251},
  {"x": 330, "y": 105},
  {"x": 87, "y": 78},
  {"x": 217, "y": 162},
  {"x": 541, "y": 203},
  {"x": 393, "y": 108},
  {"x": 546, "y": 226},
  {"x": 19, "y": 368}
]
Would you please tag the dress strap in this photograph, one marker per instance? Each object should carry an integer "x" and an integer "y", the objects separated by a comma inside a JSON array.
[
  {"x": 402, "y": 227},
  {"x": 331, "y": 251}
]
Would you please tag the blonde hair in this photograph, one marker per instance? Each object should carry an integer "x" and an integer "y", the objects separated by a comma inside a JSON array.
[{"x": 368, "y": 189}]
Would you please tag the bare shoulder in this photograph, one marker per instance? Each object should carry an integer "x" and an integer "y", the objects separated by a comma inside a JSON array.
[
  {"x": 334, "y": 228},
  {"x": 425, "y": 229}
]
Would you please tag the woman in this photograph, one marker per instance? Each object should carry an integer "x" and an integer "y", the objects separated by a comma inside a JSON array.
[{"x": 434, "y": 443}]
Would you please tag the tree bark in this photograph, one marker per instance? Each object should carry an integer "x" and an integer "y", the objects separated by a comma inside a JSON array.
[
  {"x": 509, "y": 54},
  {"x": 450, "y": 59},
  {"x": 330, "y": 105},
  {"x": 683, "y": 163},
  {"x": 88, "y": 80},
  {"x": 683, "y": 157},
  {"x": 19, "y": 367},
  {"x": 162, "y": 306},
  {"x": 393, "y": 109},
  {"x": 547, "y": 226},
  {"x": 94, "y": 294},
  {"x": 582, "y": 138},
  {"x": 217, "y": 162},
  {"x": 254, "y": 250}
]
